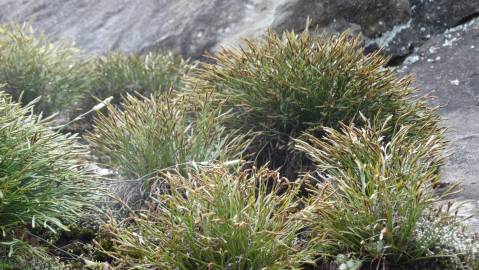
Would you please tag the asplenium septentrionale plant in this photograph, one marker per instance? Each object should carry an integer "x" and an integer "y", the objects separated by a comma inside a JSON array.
[
  {"x": 118, "y": 74},
  {"x": 163, "y": 131},
  {"x": 31, "y": 65},
  {"x": 284, "y": 85},
  {"x": 381, "y": 190},
  {"x": 44, "y": 179},
  {"x": 217, "y": 218}
]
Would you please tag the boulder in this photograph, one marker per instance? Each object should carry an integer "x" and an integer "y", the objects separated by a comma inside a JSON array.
[{"x": 447, "y": 67}]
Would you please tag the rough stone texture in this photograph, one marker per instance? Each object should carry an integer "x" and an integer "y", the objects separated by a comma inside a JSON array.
[
  {"x": 428, "y": 17},
  {"x": 447, "y": 66},
  {"x": 189, "y": 27},
  {"x": 192, "y": 27},
  {"x": 398, "y": 26},
  {"x": 442, "y": 13},
  {"x": 373, "y": 16}
]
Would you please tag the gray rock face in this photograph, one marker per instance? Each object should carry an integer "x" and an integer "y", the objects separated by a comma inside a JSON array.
[
  {"x": 189, "y": 27},
  {"x": 442, "y": 13},
  {"x": 192, "y": 27},
  {"x": 398, "y": 26},
  {"x": 373, "y": 16},
  {"x": 447, "y": 67},
  {"x": 428, "y": 17}
]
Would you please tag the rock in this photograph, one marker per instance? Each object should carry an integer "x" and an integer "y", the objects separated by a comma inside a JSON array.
[
  {"x": 398, "y": 26},
  {"x": 442, "y": 14},
  {"x": 189, "y": 27},
  {"x": 373, "y": 16},
  {"x": 447, "y": 66},
  {"x": 428, "y": 17},
  {"x": 192, "y": 27}
]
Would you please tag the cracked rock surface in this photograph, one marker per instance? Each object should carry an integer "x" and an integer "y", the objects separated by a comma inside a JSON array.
[{"x": 447, "y": 66}]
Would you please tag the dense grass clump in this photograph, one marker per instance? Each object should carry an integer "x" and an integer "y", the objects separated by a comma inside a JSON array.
[
  {"x": 118, "y": 74},
  {"x": 217, "y": 219},
  {"x": 382, "y": 192},
  {"x": 33, "y": 65},
  {"x": 283, "y": 86},
  {"x": 150, "y": 134},
  {"x": 43, "y": 181}
]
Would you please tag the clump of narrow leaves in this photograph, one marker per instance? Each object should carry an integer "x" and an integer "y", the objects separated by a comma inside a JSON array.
[
  {"x": 33, "y": 65},
  {"x": 382, "y": 191},
  {"x": 118, "y": 74},
  {"x": 149, "y": 134},
  {"x": 283, "y": 86},
  {"x": 43, "y": 179},
  {"x": 217, "y": 218}
]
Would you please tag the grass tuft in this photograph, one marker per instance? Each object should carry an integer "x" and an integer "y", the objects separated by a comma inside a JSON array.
[
  {"x": 117, "y": 74},
  {"x": 217, "y": 219},
  {"x": 150, "y": 134},
  {"x": 283, "y": 86},
  {"x": 43, "y": 179},
  {"x": 31, "y": 66},
  {"x": 382, "y": 192}
]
